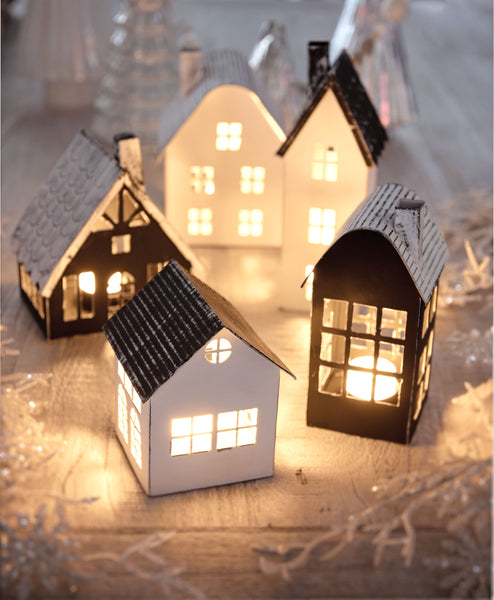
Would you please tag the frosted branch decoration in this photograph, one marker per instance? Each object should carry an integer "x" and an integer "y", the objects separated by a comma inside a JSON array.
[{"x": 457, "y": 491}]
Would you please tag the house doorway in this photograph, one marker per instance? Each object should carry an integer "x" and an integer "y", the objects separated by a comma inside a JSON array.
[{"x": 120, "y": 289}]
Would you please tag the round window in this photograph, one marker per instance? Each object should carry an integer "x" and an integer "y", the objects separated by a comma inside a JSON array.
[{"x": 218, "y": 351}]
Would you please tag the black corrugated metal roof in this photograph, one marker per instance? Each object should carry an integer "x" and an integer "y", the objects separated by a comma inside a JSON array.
[
  {"x": 343, "y": 79},
  {"x": 167, "y": 322},
  {"x": 377, "y": 213}
]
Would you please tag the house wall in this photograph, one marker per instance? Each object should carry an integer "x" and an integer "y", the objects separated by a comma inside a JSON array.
[
  {"x": 246, "y": 380},
  {"x": 149, "y": 244},
  {"x": 195, "y": 145},
  {"x": 328, "y": 126},
  {"x": 364, "y": 268}
]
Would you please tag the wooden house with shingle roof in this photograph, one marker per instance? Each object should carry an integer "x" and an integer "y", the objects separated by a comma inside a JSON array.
[
  {"x": 374, "y": 302},
  {"x": 91, "y": 237},
  {"x": 196, "y": 388},
  {"x": 330, "y": 164},
  {"x": 218, "y": 141}
]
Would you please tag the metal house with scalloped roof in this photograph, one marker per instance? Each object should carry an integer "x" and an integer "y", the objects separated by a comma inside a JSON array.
[
  {"x": 91, "y": 238},
  {"x": 373, "y": 316},
  {"x": 196, "y": 389}
]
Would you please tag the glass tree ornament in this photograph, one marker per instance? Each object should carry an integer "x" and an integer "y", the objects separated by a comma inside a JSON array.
[
  {"x": 369, "y": 30},
  {"x": 141, "y": 71}
]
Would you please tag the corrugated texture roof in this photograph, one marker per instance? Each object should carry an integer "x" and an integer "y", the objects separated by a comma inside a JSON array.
[
  {"x": 73, "y": 190},
  {"x": 377, "y": 214},
  {"x": 343, "y": 79},
  {"x": 220, "y": 67},
  {"x": 167, "y": 322}
]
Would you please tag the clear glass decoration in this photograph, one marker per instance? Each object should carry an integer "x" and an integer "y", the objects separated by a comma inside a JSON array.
[
  {"x": 272, "y": 60},
  {"x": 141, "y": 71},
  {"x": 369, "y": 30},
  {"x": 62, "y": 43}
]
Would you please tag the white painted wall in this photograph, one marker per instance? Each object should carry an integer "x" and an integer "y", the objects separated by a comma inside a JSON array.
[
  {"x": 246, "y": 380},
  {"x": 195, "y": 144}
]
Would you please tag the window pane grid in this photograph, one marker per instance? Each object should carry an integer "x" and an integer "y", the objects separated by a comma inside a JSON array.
[
  {"x": 228, "y": 136},
  {"x": 202, "y": 180},
  {"x": 324, "y": 163},
  {"x": 250, "y": 223},
  {"x": 322, "y": 224},
  {"x": 200, "y": 221}
]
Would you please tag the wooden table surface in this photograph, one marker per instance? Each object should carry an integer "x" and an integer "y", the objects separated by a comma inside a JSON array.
[{"x": 322, "y": 478}]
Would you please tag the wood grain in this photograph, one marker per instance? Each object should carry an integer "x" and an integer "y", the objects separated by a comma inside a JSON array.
[{"x": 321, "y": 477}]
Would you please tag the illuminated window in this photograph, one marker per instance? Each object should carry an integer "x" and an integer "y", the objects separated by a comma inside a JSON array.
[
  {"x": 129, "y": 388},
  {"x": 200, "y": 221},
  {"x": 322, "y": 222},
  {"x": 429, "y": 313},
  {"x": 309, "y": 282},
  {"x": 218, "y": 351},
  {"x": 228, "y": 136},
  {"x": 122, "y": 413},
  {"x": 119, "y": 290},
  {"x": 120, "y": 244},
  {"x": 32, "y": 291},
  {"x": 252, "y": 180},
  {"x": 250, "y": 223},
  {"x": 191, "y": 435},
  {"x": 423, "y": 375},
  {"x": 202, "y": 180},
  {"x": 78, "y": 296},
  {"x": 153, "y": 269},
  {"x": 355, "y": 360},
  {"x": 237, "y": 428},
  {"x": 324, "y": 163},
  {"x": 135, "y": 437}
]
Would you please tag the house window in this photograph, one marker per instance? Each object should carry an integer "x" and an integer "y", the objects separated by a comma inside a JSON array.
[
  {"x": 153, "y": 269},
  {"x": 119, "y": 290},
  {"x": 322, "y": 223},
  {"x": 129, "y": 388},
  {"x": 429, "y": 313},
  {"x": 191, "y": 435},
  {"x": 218, "y": 351},
  {"x": 122, "y": 413},
  {"x": 228, "y": 136},
  {"x": 32, "y": 292},
  {"x": 200, "y": 221},
  {"x": 361, "y": 351},
  {"x": 252, "y": 180},
  {"x": 135, "y": 437},
  {"x": 324, "y": 163},
  {"x": 78, "y": 296},
  {"x": 236, "y": 428},
  {"x": 250, "y": 223},
  {"x": 309, "y": 282},
  {"x": 120, "y": 244},
  {"x": 423, "y": 374},
  {"x": 202, "y": 180}
]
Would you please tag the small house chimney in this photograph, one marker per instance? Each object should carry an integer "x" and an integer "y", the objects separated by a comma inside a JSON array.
[
  {"x": 190, "y": 65},
  {"x": 318, "y": 54},
  {"x": 127, "y": 149},
  {"x": 407, "y": 222}
]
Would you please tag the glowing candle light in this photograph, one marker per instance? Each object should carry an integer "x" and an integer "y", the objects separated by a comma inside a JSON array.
[{"x": 359, "y": 383}]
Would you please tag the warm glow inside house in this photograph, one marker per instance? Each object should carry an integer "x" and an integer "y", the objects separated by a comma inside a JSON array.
[
  {"x": 330, "y": 164},
  {"x": 196, "y": 389},
  {"x": 373, "y": 316},
  {"x": 91, "y": 238},
  {"x": 222, "y": 177}
]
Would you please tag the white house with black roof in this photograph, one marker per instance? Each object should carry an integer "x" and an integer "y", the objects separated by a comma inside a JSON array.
[
  {"x": 196, "y": 390},
  {"x": 222, "y": 178},
  {"x": 374, "y": 307},
  {"x": 91, "y": 237},
  {"x": 330, "y": 164}
]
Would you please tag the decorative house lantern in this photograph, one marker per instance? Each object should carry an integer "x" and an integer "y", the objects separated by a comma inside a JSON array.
[
  {"x": 91, "y": 238},
  {"x": 330, "y": 164},
  {"x": 222, "y": 178},
  {"x": 196, "y": 391},
  {"x": 373, "y": 316}
]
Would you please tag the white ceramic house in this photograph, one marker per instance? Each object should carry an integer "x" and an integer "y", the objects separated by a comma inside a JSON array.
[
  {"x": 330, "y": 164},
  {"x": 196, "y": 390},
  {"x": 222, "y": 177}
]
